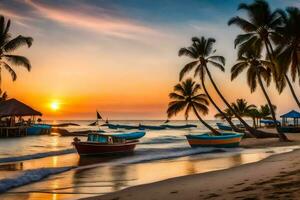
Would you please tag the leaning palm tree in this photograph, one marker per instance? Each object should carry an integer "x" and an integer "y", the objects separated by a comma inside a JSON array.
[
  {"x": 288, "y": 48},
  {"x": 7, "y": 46},
  {"x": 260, "y": 31},
  {"x": 257, "y": 71},
  {"x": 186, "y": 97},
  {"x": 202, "y": 53}
]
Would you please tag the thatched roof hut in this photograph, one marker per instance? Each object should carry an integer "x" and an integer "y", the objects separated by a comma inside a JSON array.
[{"x": 13, "y": 107}]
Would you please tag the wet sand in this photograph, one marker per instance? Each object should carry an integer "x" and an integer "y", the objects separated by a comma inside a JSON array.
[{"x": 276, "y": 177}]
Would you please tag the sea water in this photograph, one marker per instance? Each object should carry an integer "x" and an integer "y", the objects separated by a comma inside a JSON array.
[{"x": 47, "y": 167}]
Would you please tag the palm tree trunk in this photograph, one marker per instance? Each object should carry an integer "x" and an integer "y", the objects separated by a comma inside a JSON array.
[
  {"x": 270, "y": 55},
  {"x": 254, "y": 122},
  {"x": 214, "y": 131},
  {"x": 281, "y": 135},
  {"x": 252, "y": 131},
  {"x": 292, "y": 90},
  {"x": 218, "y": 109}
]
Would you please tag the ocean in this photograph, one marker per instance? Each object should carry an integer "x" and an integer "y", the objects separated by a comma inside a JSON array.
[{"x": 48, "y": 167}]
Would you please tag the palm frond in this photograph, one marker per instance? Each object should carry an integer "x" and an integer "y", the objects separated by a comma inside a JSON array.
[
  {"x": 187, "y": 68},
  {"x": 17, "y": 42},
  {"x": 19, "y": 61},
  {"x": 175, "y": 107},
  {"x": 242, "y": 23},
  {"x": 10, "y": 70},
  {"x": 237, "y": 69},
  {"x": 242, "y": 38},
  {"x": 201, "y": 108},
  {"x": 186, "y": 52},
  {"x": 176, "y": 96},
  {"x": 220, "y": 59},
  {"x": 218, "y": 65}
]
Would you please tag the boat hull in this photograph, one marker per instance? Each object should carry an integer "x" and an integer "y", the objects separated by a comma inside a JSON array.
[
  {"x": 224, "y": 127},
  {"x": 93, "y": 148},
  {"x": 223, "y": 141}
]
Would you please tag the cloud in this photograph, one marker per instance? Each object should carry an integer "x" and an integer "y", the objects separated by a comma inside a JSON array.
[{"x": 92, "y": 18}]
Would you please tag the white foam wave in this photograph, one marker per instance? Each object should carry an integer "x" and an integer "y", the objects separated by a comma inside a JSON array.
[
  {"x": 29, "y": 176},
  {"x": 36, "y": 156}
]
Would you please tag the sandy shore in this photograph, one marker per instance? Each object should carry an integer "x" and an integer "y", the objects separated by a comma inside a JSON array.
[{"x": 276, "y": 177}]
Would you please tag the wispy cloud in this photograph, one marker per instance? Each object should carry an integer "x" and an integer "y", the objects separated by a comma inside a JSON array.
[{"x": 90, "y": 18}]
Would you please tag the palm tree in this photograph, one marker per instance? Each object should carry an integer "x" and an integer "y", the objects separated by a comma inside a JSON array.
[
  {"x": 7, "y": 46},
  {"x": 242, "y": 107},
  {"x": 260, "y": 30},
  {"x": 258, "y": 70},
  {"x": 288, "y": 49},
  {"x": 202, "y": 54},
  {"x": 186, "y": 97}
]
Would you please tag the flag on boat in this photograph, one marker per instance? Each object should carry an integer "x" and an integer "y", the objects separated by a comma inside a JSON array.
[{"x": 98, "y": 115}]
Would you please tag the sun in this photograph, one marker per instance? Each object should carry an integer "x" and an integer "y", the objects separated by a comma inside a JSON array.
[{"x": 54, "y": 105}]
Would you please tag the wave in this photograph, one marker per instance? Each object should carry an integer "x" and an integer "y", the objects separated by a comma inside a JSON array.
[
  {"x": 29, "y": 176},
  {"x": 36, "y": 156},
  {"x": 159, "y": 154},
  {"x": 174, "y": 153}
]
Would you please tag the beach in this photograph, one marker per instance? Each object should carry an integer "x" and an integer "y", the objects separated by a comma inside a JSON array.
[
  {"x": 48, "y": 167},
  {"x": 275, "y": 177}
]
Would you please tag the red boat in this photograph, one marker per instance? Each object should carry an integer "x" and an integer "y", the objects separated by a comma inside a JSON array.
[{"x": 99, "y": 144}]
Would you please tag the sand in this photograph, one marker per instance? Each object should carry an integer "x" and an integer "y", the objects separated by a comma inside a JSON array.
[{"x": 276, "y": 177}]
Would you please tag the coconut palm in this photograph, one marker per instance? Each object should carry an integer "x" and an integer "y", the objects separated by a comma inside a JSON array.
[
  {"x": 242, "y": 107},
  {"x": 258, "y": 70},
  {"x": 7, "y": 46},
  {"x": 260, "y": 31},
  {"x": 202, "y": 53},
  {"x": 186, "y": 97},
  {"x": 288, "y": 49},
  {"x": 254, "y": 114}
]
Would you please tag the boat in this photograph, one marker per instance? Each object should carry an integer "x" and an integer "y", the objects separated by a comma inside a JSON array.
[
  {"x": 122, "y": 126},
  {"x": 39, "y": 129},
  {"x": 99, "y": 144},
  {"x": 130, "y": 136},
  {"x": 226, "y": 140},
  {"x": 149, "y": 127},
  {"x": 224, "y": 127},
  {"x": 179, "y": 126}
]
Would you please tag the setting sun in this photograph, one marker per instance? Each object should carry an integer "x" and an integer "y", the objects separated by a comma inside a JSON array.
[{"x": 54, "y": 106}]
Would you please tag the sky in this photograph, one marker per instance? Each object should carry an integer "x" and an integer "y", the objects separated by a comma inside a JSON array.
[{"x": 120, "y": 57}]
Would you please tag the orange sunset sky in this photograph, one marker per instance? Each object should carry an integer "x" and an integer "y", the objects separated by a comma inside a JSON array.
[{"x": 120, "y": 57}]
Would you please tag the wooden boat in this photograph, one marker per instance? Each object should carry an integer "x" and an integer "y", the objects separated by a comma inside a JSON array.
[
  {"x": 99, "y": 144},
  {"x": 39, "y": 129},
  {"x": 130, "y": 136},
  {"x": 179, "y": 126},
  {"x": 224, "y": 127},
  {"x": 226, "y": 140},
  {"x": 149, "y": 127},
  {"x": 122, "y": 126}
]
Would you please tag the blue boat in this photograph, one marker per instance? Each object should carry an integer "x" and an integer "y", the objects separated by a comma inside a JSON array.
[
  {"x": 123, "y": 126},
  {"x": 143, "y": 127},
  {"x": 224, "y": 127},
  {"x": 226, "y": 140},
  {"x": 130, "y": 136},
  {"x": 179, "y": 126},
  {"x": 38, "y": 129}
]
